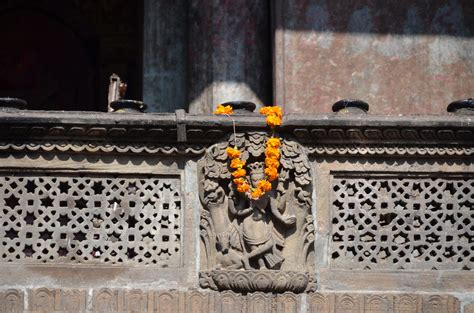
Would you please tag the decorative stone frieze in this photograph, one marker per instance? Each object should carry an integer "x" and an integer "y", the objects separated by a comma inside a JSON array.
[
  {"x": 96, "y": 147},
  {"x": 142, "y": 300},
  {"x": 256, "y": 245},
  {"x": 391, "y": 150},
  {"x": 381, "y": 303}
]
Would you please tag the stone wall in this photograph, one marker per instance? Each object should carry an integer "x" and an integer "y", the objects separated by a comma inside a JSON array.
[
  {"x": 404, "y": 57},
  {"x": 104, "y": 213}
]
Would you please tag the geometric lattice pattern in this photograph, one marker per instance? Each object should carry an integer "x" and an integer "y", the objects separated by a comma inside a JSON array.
[
  {"x": 93, "y": 219},
  {"x": 397, "y": 223}
]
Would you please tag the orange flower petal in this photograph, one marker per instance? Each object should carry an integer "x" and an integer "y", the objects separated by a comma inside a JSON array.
[
  {"x": 243, "y": 188},
  {"x": 257, "y": 193},
  {"x": 265, "y": 185},
  {"x": 239, "y": 173},
  {"x": 232, "y": 153},
  {"x": 273, "y": 142},
  {"x": 237, "y": 163}
]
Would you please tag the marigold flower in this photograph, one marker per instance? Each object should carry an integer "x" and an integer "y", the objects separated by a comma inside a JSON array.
[
  {"x": 273, "y": 142},
  {"x": 257, "y": 193},
  {"x": 265, "y": 185},
  {"x": 239, "y": 173},
  {"x": 272, "y": 110},
  {"x": 237, "y": 163},
  {"x": 239, "y": 181},
  {"x": 272, "y": 153},
  {"x": 277, "y": 111},
  {"x": 232, "y": 153},
  {"x": 265, "y": 110},
  {"x": 243, "y": 187},
  {"x": 272, "y": 173},
  {"x": 273, "y": 120},
  {"x": 271, "y": 163},
  {"x": 221, "y": 109}
]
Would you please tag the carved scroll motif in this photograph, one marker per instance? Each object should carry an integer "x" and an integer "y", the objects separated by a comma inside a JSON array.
[{"x": 256, "y": 245}]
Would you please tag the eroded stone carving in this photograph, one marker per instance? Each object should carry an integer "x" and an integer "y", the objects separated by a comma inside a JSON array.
[
  {"x": 11, "y": 301},
  {"x": 256, "y": 245}
]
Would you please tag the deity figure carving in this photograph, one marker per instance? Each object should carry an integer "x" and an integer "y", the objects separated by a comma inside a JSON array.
[{"x": 266, "y": 236}]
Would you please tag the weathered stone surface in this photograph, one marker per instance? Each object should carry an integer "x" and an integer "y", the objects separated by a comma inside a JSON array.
[
  {"x": 381, "y": 303},
  {"x": 42, "y": 300},
  {"x": 11, "y": 300},
  {"x": 71, "y": 300},
  {"x": 404, "y": 57},
  {"x": 171, "y": 301},
  {"x": 469, "y": 308}
]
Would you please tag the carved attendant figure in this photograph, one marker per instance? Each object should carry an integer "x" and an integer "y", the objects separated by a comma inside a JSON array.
[
  {"x": 261, "y": 240},
  {"x": 227, "y": 237}
]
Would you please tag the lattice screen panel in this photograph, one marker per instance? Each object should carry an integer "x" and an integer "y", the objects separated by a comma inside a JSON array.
[
  {"x": 389, "y": 223},
  {"x": 98, "y": 219}
]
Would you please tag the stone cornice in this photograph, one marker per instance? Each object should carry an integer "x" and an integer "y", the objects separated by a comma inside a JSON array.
[{"x": 179, "y": 127}]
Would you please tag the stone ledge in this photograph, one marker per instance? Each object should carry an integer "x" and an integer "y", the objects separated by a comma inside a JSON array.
[{"x": 208, "y": 129}]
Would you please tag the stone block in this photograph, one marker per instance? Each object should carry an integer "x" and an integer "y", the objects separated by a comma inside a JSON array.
[{"x": 12, "y": 301}]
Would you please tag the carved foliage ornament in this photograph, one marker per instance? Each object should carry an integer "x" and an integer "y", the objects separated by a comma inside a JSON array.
[{"x": 263, "y": 244}]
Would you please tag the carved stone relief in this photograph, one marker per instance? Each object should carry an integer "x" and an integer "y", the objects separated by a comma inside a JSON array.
[
  {"x": 11, "y": 301},
  {"x": 256, "y": 245}
]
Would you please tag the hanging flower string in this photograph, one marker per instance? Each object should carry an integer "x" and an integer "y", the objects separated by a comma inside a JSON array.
[{"x": 272, "y": 154}]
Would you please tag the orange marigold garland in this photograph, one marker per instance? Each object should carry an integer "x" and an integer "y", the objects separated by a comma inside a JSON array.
[
  {"x": 274, "y": 115},
  {"x": 272, "y": 155}
]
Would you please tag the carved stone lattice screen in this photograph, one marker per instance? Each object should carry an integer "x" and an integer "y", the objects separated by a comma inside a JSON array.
[
  {"x": 402, "y": 223},
  {"x": 90, "y": 219}
]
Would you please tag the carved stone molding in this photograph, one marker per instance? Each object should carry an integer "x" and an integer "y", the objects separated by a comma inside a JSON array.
[
  {"x": 183, "y": 301},
  {"x": 102, "y": 148},
  {"x": 389, "y": 150},
  {"x": 11, "y": 301},
  {"x": 383, "y": 303},
  {"x": 384, "y": 133},
  {"x": 256, "y": 280},
  {"x": 98, "y": 147},
  {"x": 256, "y": 245},
  {"x": 57, "y": 300}
]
